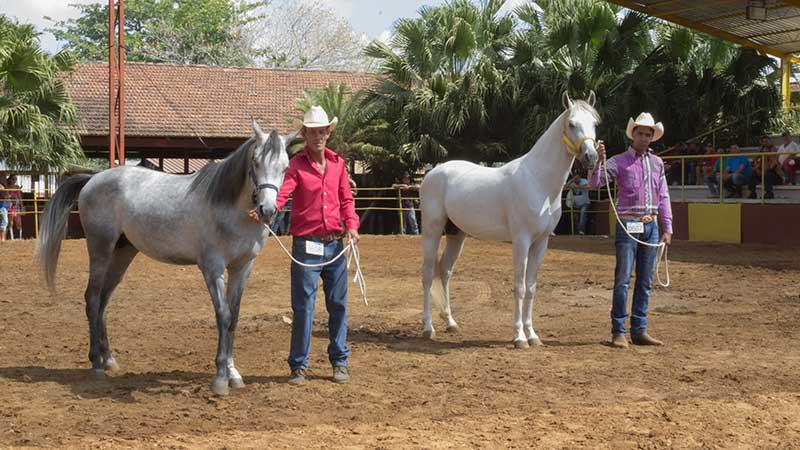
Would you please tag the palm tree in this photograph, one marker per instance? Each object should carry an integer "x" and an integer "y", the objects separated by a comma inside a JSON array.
[
  {"x": 441, "y": 77},
  {"x": 37, "y": 118}
]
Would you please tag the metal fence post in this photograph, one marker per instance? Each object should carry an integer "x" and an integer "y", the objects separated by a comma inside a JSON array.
[
  {"x": 721, "y": 177},
  {"x": 35, "y": 215},
  {"x": 400, "y": 211},
  {"x": 763, "y": 174}
]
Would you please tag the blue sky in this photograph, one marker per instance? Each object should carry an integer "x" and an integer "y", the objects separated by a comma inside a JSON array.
[{"x": 371, "y": 17}]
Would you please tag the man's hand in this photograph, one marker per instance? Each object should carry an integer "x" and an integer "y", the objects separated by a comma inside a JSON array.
[
  {"x": 253, "y": 214},
  {"x": 667, "y": 238},
  {"x": 601, "y": 150},
  {"x": 352, "y": 235}
]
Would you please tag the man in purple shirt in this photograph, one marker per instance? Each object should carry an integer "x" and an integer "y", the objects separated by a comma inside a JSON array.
[{"x": 642, "y": 202}]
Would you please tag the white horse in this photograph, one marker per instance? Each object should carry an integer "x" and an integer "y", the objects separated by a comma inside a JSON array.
[{"x": 518, "y": 202}]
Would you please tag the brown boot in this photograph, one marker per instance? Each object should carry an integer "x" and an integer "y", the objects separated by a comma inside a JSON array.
[
  {"x": 618, "y": 340},
  {"x": 644, "y": 339}
]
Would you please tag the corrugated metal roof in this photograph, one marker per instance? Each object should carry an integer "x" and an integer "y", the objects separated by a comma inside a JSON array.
[{"x": 778, "y": 35}]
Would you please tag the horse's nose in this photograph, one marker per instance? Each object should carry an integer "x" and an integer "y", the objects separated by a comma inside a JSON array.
[
  {"x": 590, "y": 160},
  {"x": 267, "y": 212}
]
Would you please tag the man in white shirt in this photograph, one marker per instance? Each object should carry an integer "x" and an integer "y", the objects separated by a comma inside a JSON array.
[{"x": 790, "y": 160}]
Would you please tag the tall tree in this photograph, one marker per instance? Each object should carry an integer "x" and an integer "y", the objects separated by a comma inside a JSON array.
[
  {"x": 308, "y": 34},
  {"x": 442, "y": 81},
  {"x": 37, "y": 118},
  {"x": 215, "y": 32}
]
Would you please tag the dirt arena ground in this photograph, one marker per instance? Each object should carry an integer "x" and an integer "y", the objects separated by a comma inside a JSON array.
[{"x": 728, "y": 377}]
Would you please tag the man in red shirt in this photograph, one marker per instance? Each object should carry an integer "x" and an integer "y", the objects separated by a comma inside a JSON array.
[{"x": 321, "y": 201}]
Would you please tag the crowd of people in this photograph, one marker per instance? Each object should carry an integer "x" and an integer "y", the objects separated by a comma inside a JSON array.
[
  {"x": 738, "y": 171},
  {"x": 11, "y": 208}
]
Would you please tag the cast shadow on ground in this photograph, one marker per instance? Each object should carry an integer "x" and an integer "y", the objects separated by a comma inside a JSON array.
[{"x": 121, "y": 386}]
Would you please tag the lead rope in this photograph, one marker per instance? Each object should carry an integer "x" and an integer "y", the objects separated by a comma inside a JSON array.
[
  {"x": 662, "y": 246},
  {"x": 353, "y": 255}
]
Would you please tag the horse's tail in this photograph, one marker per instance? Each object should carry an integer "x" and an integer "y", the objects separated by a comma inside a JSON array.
[{"x": 53, "y": 227}]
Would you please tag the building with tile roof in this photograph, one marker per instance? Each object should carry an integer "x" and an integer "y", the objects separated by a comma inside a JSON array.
[{"x": 181, "y": 113}]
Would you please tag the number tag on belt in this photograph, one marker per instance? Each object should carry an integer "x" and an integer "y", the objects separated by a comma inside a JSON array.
[
  {"x": 635, "y": 227},
  {"x": 315, "y": 248}
]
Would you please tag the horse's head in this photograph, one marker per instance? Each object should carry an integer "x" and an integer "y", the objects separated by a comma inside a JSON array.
[
  {"x": 267, "y": 167},
  {"x": 578, "y": 133}
]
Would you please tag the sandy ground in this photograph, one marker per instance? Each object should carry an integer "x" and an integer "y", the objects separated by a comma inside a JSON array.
[{"x": 728, "y": 377}]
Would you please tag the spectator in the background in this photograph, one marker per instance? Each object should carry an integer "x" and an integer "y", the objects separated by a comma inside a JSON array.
[
  {"x": 579, "y": 200},
  {"x": 735, "y": 172},
  {"x": 3, "y": 212},
  {"x": 772, "y": 177},
  {"x": 710, "y": 169},
  {"x": 14, "y": 196},
  {"x": 674, "y": 172},
  {"x": 789, "y": 160},
  {"x": 408, "y": 189}
]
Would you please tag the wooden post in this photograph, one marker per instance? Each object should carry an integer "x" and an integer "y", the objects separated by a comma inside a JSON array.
[{"x": 786, "y": 91}]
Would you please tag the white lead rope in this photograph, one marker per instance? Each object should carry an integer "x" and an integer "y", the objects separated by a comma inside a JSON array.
[
  {"x": 354, "y": 254},
  {"x": 662, "y": 246}
]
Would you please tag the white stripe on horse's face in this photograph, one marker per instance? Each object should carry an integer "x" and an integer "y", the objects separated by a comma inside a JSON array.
[
  {"x": 581, "y": 127},
  {"x": 269, "y": 164}
]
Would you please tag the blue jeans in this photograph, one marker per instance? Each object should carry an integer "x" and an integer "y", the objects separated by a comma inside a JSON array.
[
  {"x": 583, "y": 219},
  {"x": 629, "y": 252},
  {"x": 304, "y": 296},
  {"x": 410, "y": 222}
]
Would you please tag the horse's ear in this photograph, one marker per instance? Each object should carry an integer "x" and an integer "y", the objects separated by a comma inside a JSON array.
[
  {"x": 566, "y": 101},
  {"x": 261, "y": 138},
  {"x": 592, "y": 98},
  {"x": 289, "y": 138}
]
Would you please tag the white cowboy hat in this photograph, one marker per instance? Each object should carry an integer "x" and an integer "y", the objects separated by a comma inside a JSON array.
[
  {"x": 316, "y": 117},
  {"x": 645, "y": 120}
]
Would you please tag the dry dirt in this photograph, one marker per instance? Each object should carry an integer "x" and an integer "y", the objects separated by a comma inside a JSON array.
[{"x": 728, "y": 377}]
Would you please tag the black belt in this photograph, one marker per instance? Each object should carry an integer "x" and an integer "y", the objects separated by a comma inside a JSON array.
[{"x": 326, "y": 239}]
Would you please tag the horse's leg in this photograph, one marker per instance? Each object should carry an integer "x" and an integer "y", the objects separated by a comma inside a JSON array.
[
  {"x": 430, "y": 254},
  {"x": 520, "y": 251},
  {"x": 213, "y": 269},
  {"x": 535, "y": 257},
  {"x": 121, "y": 258},
  {"x": 101, "y": 249},
  {"x": 237, "y": 281},
  {"x": 452, "y": 250}
]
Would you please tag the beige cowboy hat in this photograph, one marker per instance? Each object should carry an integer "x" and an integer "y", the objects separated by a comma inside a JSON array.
[
  {"x": 316, "y": 117},
  {"x": 645, "y": 120}
]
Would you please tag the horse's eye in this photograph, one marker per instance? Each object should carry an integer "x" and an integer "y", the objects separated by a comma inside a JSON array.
[{"x": 571, "y": 126}]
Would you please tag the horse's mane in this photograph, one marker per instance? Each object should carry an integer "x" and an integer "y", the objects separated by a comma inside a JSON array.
[{"x": 221, "y": 183}]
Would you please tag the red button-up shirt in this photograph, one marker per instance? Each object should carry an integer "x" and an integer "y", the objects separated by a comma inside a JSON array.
[{"x": 319, "y": 201}]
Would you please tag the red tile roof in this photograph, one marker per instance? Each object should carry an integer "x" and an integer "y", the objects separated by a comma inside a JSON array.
[{"x": 210, "y": 101}]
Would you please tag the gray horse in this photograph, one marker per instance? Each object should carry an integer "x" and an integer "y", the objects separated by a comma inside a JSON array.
[{"x": 179, "y": 219}]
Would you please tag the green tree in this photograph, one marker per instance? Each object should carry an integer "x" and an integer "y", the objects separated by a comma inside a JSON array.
[
  {"x": 212, "y": 32},
  {"x": 358, "y": 136},
  {"x": 37, "y": 118},
  {"x": 442, "y": 82},
  {"x": 692, "y": 82}
]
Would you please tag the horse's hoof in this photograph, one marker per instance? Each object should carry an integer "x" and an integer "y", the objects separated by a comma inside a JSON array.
[
  {"x": 111, "y": 365},
  {"x": 219, "y": 386},
  {"x": 236, "y": 383},
  {"x": 97, "y": 374},
  {"x": 429, "y": 334},
  {"x": 521, "y": 343},
  {"x": 453, "y": 329},
  {"x": 535, "y": 342}
]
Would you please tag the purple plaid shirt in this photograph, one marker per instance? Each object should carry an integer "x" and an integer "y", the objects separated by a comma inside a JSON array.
[{"x": 641, "y": 185}]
